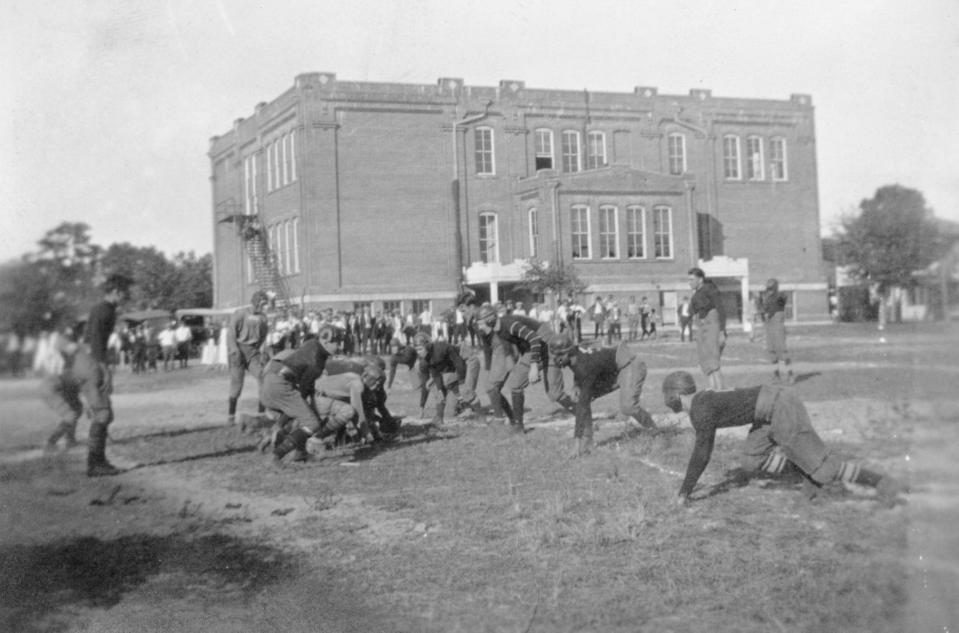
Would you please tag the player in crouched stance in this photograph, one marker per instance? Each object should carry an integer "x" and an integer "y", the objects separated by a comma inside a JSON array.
[
  {"x": 595, "y": 374},
  {"x": 780, "y": 433}
]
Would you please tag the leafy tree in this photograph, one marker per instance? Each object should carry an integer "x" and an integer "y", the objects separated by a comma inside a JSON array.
[
  {"x": 892, "y": 237},
  {"x": 154, "y": 276},
  {"x": 194, "y": 275},
  {"x": 559, "y": 280}
]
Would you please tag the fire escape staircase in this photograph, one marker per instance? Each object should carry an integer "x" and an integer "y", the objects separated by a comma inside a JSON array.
[{"x": 266, "y": 271}]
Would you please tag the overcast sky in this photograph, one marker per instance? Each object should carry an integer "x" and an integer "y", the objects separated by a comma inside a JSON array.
[{"x": 109, "y": 104}]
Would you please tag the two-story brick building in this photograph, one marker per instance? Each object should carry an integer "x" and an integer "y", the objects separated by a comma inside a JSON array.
[{"x": 395, "y": 194}]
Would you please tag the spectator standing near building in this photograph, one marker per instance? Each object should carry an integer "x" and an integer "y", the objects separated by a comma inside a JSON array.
[
  {"x": 710, "y": 318},
  {"x": 773, "y": 304},
  {"x": 684, "y": 315},
  {"x": 632, "y": 318},
  {"x": 597, "y": 314},
  {"x": 167, "y": 340},
  {"x": 780, "y": 433},
  {"x": 92, "y": 373},
  {"x": 505, "y": 369},
  {"x": 614, "y": 326},
  {"x": 575, "y": 319},
  {"x": 597, "y": 372},
  {"x": 644, "y": 312},
  {"x": 246, "y": 344},
  {"x": 184, "y": 342}
]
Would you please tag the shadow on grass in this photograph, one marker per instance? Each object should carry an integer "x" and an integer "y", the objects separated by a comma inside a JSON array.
[
  {"x": 804, "y": 377},
  {"x": 189, "y": 458},
  {"x": 634, "y": 431},
  {"x": 42, "y": 584},
  {"x": 406, "y": 437},
  {"x": 127, "y": 439}
]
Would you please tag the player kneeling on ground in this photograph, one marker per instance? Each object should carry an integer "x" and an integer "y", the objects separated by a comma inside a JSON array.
[
  {"x": 597, "y": 373},
  {"x": 781, "y": 432},
  {"x": 345, "y": 399},
  {"x": 287, "y": 384}
]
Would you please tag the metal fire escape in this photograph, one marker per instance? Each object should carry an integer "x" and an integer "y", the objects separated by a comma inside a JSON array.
[{"x": 265, "y": 267}]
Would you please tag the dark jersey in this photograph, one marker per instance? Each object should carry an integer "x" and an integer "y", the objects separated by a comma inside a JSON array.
[
  {"x": 773, "y": 302},
  {"x": 100, "y": 324},
  {"x": 711, "y": 410},
  {"x": 307, "y": 364},
  {"x": 404, "y": 356},
  {"x": 705, "y": 299},
  {"x": 443, "y": 358},
  {"x": 523, "y": 333},
  {"x": 594, "y": 375}
]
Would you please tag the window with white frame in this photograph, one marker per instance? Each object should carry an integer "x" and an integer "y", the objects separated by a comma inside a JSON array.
[
  {"x": 287, "y": 251},
  {"x": 662, "y": 233},
  {"x": 269, "y": 168},
  {"x": 596, "y": 150},
  {"x": 533, "y": 231},
  {"x": 249, "y": 175},
  {"x": 292, "y": 155},
  {"x": 754, "y": 158},
  {"x": 284, "y": 145},
  {"x": 488, "y": 238},
  {"x": 295, "y": 241},
  {"x": 635, "y": 232},
  {"x": 572, "y": 160},
  {"x": 731, "y": 160},
  {"x": 777, "y": 158},
  {"x": 277, "y": 166},
  {"x": 676, "y": 150},
  {"x": 544, "y": 149},
  {"x": 483, "y": 137},
  {"x": 579, "y": 231},
  {"x": 608, "y": 232}
]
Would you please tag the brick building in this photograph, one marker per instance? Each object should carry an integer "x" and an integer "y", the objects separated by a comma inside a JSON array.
[{"x": 395, "y": 194}]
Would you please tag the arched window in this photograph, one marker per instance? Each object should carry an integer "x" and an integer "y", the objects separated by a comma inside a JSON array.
[
  {"x": 596, "y": 150},
  {"x": 677, "y": 153},
  {"x": 731, "y": 161},
  {"x": 544, "y": 149},
  {"x": 488, "y": 238},
  {"x": 636, "y": 232},
  {"x": 572, "y": 161},
  {"x": 579, "y": 231},
  {"x": 608, "y": 232},
  {"x": 777, "y": 158},
  {"x": 662, "y": 233},
  {"x": 533, "y": 231}
]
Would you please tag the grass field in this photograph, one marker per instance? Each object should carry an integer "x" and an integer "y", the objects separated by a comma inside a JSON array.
[{"x": 469, "y": 528}]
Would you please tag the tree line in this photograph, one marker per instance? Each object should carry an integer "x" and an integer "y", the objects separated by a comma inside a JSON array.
[{"x": 56, "y": 284}]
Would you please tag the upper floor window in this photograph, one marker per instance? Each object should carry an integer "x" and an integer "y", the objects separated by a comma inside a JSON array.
[
  {"x": 572, "y": 161},
  {"x": 579, "y": 231},
  {"x": 677, "y": 153},
  {"x": 635, "y": 232},
  {"x": 754, "y": 158},
  {"x": 608, "y": 232},
  {"x": 292, "y": 155},
  {"x": 295, "y": 243},
  {"x": 276, "y": 164},
  {"x": 533, "y": 231},
  {"x": 488, "y": 238},
  {"x": 284, "y": 144},
  {"x": 663, "y": 233},
  {"x": 777, "y": 158},
  {"x": 544, "y": 149},
  {"x": 483, "y": 137},
  {"x": 596, "y": 150},
  {"x": 269, "y": 167},
  {"x": 731, "y": 164},
  {"x": 249, "y": 184}
]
